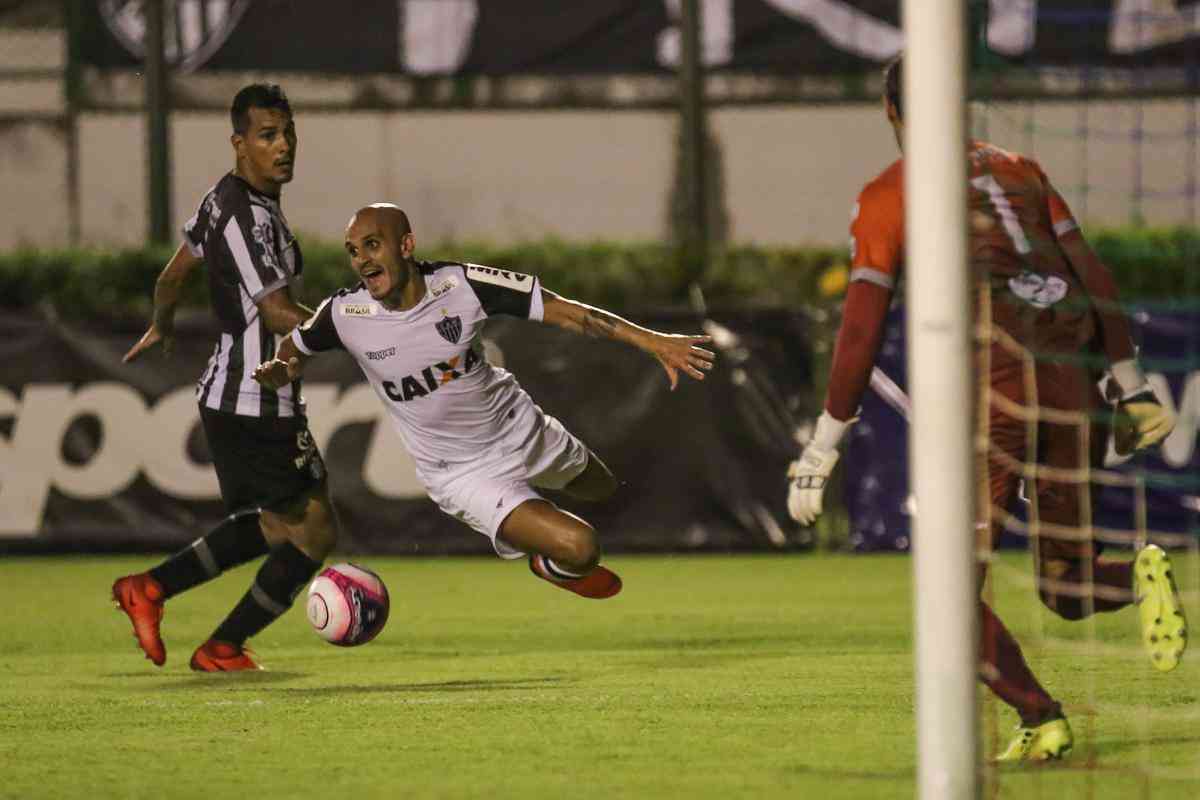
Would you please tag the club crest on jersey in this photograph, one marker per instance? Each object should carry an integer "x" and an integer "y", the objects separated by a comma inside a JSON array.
[
  {"x": 450, "y": 328},
  {"x": 359, "y": 310}
]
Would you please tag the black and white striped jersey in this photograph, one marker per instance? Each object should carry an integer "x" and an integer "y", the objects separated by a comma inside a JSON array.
[
  {"x": 244, "y": 240},
  {"x": 427, "y": 363}
]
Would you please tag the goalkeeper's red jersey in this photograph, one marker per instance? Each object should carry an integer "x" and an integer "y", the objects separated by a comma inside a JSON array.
[{"x": 1015, "y": 218}]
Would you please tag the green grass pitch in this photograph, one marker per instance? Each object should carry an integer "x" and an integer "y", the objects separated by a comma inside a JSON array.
[{"x": 709, "y": 677}]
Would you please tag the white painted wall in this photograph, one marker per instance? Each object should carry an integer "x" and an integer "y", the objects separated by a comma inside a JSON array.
[{"x": 791, "y": 174}]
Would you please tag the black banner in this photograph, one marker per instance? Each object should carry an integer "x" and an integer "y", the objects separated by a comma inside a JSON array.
[
  {"x": 875, "y": 463},
  {"x": 506, "y": 37},
  {"x": 96, "y": 454}
]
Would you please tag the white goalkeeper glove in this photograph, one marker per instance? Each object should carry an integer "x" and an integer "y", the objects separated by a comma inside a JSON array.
[
  {"x": 1139, "y": 419},
  {"x": 808, "y": 474}
]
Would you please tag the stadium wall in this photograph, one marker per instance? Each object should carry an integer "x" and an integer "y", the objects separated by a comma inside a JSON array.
[{"x": 791, "y": 173}]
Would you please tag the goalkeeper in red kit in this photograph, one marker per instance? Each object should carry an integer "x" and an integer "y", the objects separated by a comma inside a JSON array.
[{"x": 1044, "y": 292}]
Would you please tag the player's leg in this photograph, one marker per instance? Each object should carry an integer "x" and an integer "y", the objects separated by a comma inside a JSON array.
[
  {"x": 235, "y": 540},
  {"x": 1073, "y": 579},
  {"x": 301, "y": 535},
  {"x": 280, "y": 464},
  {"x": 1043, "y": 731},
  {"x": 562, "y": 548}
]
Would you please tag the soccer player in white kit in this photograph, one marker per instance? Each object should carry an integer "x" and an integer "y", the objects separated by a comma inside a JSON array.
[{"x": 480, "y": 444}]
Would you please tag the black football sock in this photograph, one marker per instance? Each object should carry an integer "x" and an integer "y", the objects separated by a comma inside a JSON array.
[
  {"x": 235, "y": 541},
  {"x": 279, "y": 580}
]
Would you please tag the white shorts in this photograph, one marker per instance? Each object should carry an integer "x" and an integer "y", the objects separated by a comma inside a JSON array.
[{"x": 485, "y": 493}]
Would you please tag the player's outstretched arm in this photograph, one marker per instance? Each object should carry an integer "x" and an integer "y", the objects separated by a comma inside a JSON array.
[
  {"x": 676, "y": 352},
  {"x": 166, "y": 296},
  {"x": 287, "y": 366}
]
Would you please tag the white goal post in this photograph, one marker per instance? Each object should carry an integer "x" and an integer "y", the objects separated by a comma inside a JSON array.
[{"x": 941, "y": 457}]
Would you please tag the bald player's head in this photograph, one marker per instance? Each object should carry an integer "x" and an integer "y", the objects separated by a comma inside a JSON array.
[
  {"x": 386, "y": 216},
  {"x": 380, "y": 243}
]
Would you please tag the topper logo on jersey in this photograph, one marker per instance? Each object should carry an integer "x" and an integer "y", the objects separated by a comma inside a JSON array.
[
  {"x": 426, "y": 382},
  {"x": 380, "y": 355},
  {"x": 200, "y": 27}
]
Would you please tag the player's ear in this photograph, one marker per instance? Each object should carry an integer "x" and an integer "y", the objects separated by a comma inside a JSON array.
[
  {"x": 408, "y": 245},
  {"x": 237, "y": 140}
]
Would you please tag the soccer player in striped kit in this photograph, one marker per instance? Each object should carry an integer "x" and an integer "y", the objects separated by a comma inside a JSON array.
[
  {"x": 1046, "y": 294},
  {"x": 271, "y": 475}
]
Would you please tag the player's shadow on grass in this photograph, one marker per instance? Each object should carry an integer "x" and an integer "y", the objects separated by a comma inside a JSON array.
[
  {"x": 853, "y": 774},
  {"x": 479, "y": 685},
  {"x": 193, "y": 680},
  {"x": 1109, "y": 748}
]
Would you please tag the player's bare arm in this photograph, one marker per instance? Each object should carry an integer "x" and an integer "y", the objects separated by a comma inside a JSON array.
[
  {"x": 167, "y": 289},
  {"x": 280, "y": 313},
  {"x": 676, "y": 352},
  {"x": 287, "y": 366}
]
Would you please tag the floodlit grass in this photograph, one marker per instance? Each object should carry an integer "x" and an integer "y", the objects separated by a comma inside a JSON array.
[{"x": 708, "y": 677}]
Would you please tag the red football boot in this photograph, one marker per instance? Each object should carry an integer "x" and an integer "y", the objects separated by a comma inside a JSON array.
[
  {"x": 141, "y": 598},
  {"x": 598, "y": 584},
  {"x": 217, "y": 656}
]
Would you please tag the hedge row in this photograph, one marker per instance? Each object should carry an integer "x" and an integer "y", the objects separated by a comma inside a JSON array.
[{"x": 82, "y": 284}]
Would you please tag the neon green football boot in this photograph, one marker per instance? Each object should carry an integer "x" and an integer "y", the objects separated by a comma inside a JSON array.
[
  {"x": 1164, "y": 628},
  {"x": 1049, "y": 741}
]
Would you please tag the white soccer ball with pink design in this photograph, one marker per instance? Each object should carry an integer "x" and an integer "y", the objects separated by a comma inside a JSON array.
[{"x": 347, "y": 605}]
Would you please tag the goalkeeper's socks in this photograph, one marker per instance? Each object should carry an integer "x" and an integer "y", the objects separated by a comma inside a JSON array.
[
  {"x": 1005, "y": 672},
  {"x": 235, "y": 541},
  {"x": 279, "y": 580}
]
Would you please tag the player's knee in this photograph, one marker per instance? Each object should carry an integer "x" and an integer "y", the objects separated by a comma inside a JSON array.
[
  {"x": 311, "y": 525},
  {"x": 580, "y": 551}
]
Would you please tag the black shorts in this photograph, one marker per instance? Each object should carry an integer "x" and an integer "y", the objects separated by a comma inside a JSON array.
[{"x": 261, "y": 462}]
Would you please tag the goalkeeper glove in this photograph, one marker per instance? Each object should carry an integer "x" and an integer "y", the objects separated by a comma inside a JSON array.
[
  {"x": 808, "y": 475},
  {"x": 1140, "y": 421}
]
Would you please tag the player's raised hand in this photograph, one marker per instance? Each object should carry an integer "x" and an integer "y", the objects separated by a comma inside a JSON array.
[
  {"x": 275, "y": 374},
  {"x": 681, "y": 353},
  {"x": 152, "y": 338}
]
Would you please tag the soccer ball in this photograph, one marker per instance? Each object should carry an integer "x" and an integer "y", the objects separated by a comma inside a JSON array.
[{"x": 347, "y": 605}]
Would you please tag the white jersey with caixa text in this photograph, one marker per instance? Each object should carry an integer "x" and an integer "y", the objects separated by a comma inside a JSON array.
[{"x": 427, "y": 363}]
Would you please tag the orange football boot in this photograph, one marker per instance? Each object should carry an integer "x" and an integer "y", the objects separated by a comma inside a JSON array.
[
  {"x": 141, "y": 598},
  {"x": 217, "y": 656},
  {"x": 598, "y": 584}
]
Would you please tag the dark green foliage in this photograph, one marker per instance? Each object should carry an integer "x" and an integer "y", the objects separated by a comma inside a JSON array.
[{"x": 84, "y": 284}]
